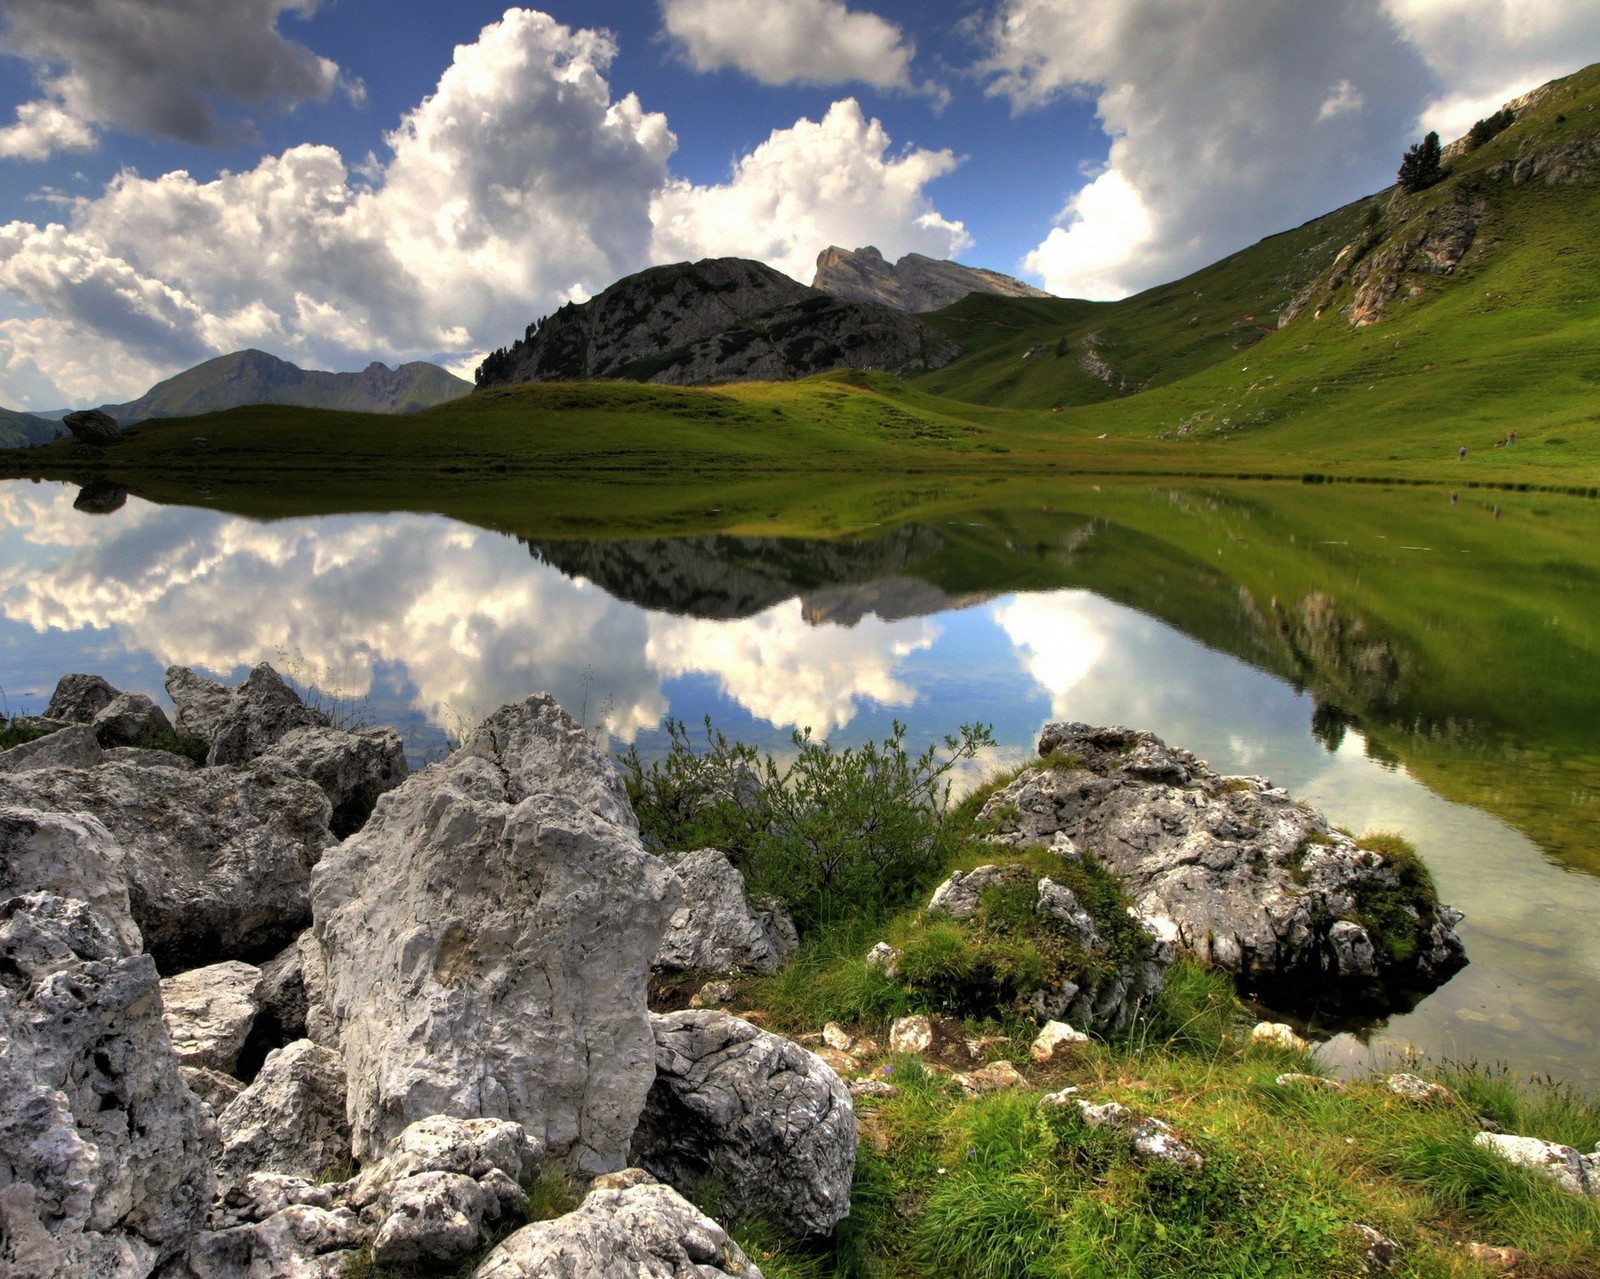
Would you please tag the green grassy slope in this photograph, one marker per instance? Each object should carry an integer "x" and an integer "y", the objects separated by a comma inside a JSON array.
[{"x": 1507, "y": 339}]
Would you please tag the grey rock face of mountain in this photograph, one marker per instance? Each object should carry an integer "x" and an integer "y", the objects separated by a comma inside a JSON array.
[
  {"x": 487, "y": 937},
  {"x": 254, "y": 377},
  {"x": 20, "y": 430},
  {"x": 914, "y": 283},
  {"x": 720, "y": 320}
]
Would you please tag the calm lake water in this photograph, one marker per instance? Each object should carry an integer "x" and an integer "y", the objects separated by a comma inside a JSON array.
[{"x": 1403, "y": 661}]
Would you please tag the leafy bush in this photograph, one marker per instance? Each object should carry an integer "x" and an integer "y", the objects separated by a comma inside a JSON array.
[
  {"x": 15, "y": 734},
  {"x": 834, "y": 832}
]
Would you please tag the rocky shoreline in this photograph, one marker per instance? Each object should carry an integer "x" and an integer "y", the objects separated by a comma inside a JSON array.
[{"x": 294, "y": 1007}]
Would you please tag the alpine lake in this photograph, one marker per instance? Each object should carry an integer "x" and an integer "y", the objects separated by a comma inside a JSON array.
[{"x": 1405, "y": 658}]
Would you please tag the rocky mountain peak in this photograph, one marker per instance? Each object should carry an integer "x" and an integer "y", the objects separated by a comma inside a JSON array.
[{"x": 914, "y": 283}]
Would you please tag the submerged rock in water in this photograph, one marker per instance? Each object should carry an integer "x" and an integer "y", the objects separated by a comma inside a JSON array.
[
  {"x": 1253, "y": 882},
  {"x": 771, "y": 1121},
  {"x": 487, "y": 938},
  {"x": 105, "y": 1162}
]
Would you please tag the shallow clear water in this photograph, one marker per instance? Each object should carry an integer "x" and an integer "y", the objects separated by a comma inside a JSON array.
[{"x": 429, "y": 624}]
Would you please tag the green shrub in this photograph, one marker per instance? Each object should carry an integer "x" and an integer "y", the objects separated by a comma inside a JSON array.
[
  {"x": 854, "y": 831},
  {"x": 185, "y": 744},
  {"x": 15, "y": 734},
  {"x": 1396, "y": 914}
]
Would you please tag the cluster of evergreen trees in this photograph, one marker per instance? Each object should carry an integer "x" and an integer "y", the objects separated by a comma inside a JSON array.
[{"x": 1423, "y": 164}]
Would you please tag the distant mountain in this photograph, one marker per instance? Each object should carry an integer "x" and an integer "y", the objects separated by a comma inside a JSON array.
[
  {"x": 914, "y": 283},
  {"x": 254, "y": 377},
  {"x": 720, "y": 320},
  {"x": 20, "y": 430}
]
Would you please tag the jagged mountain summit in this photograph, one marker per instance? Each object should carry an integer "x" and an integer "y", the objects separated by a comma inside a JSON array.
[
  {"x": 914, "y": 283},
  {"x": 254, "y": 377},
  {"x": 718, "y": 320}
]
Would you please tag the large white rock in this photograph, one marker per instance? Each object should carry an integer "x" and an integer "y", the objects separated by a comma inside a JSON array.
[
  {"x": 352, "y": 769},
  {"x": 217, "y": 861},
  {"x": 639, "y": 1231},
  {"x": 770, "y": 1120},
  {"x": 1573, "y": 1171},
  {"x": 70, "y": 855},
  {"x": 209, "y": 1012},
  {"x": 1252, "y": 881},
  {"x": 72, "y": 747},
  {"x": 717, "y": 929},
  {"x": 290, "y": 1120},
  {"x": 487, "y": 939},
  {"x": 238, "y": 723},
  {"x": 103, "y": 1169}
]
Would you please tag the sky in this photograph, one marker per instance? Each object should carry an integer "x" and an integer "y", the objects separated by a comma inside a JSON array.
[{"x": 341, "y": 181}]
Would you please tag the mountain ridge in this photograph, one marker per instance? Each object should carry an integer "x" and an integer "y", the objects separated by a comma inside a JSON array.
[{"x": 914, "y": 283}]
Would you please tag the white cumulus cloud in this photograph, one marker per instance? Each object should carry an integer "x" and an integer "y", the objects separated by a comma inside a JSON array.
[
  {"x": 790, "y": 41},
  {"x": 156, "y": 67},
  {"x": 1227, "y": 122},
  {"x": 1486, "y": 52},
  {"x": 520, "y": 183},
  {"x": 832, "y": 181}
]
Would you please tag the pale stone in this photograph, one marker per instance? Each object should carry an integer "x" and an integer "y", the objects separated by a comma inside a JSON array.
[
  {"x": 962, "y": 894},
  {"x": 717, "y": 929},
  {"x": 1421, "y": 1091},
  {"x": 1054, "y": 1038},
  {"x": 1277, "y": 1034},
  {"x": 771, "y": 1121},
  {"x": 71, "y": 855},
  {"x": 910, "y": 1035},
  {"x": 105, "y": 1168},
  {"x": 487, "y": 939},
  {"x": 997, "y": 1076},
  {"x": 209, "y": 1012},
  {"x": 73, "y": 747},
  {"x": 645, "y": 1231},
  {"x": 1573, "y": 1171},
  {"x": 290, "y": 1120}
]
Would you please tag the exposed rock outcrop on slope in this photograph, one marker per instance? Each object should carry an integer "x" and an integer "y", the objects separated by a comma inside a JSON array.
[
  {"x": 487, "y": 938},
  {"x": 719, "y": 320},
  {"x": 914, "y": 283},
  {"x": 717, "y": 929},
  {"x": 1254, "y": 882}
]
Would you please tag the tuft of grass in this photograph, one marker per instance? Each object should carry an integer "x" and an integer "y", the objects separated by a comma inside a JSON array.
[{"x": 1397, "y": 910}]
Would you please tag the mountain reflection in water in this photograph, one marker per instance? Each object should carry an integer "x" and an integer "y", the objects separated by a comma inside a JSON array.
[{"x": 1378, "y": 653}]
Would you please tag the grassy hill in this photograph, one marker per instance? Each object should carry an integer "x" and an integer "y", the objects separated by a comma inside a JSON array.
[{"x": 1391, "y": 331}]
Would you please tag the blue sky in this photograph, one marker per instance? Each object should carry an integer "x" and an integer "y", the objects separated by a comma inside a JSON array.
[{"x": 338, "y": 181}]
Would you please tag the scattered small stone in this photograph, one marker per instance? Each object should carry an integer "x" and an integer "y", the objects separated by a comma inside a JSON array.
[
  {"x": 841, "y": 1063},
  {"x": 1150, "y": 1137},
  {"x": 1277, "y": 1034},
  {"x": 714, "y": 994},
  {"x": 1315, "y": 1082},
  {"x": 1416, "y": 1089},
  {"x": 1382, "y": 1254},
  {"x": 871, "y": 1088},
  {"x": 886, "y": 957},
  {"x": 961, "y": 894},
  {"x": 1503, "y": 1259},
  {"x": 1058, "y": 1098},
  {"x": 910, "y": 1035},
  {"x": 997, "y": 1076},
  {"x": 835, "y": 1036},
  {"x": 1055, "y": 1039}
]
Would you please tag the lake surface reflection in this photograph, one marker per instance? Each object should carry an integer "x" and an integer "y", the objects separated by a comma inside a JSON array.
[{"x": 1097, "y": 615}]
